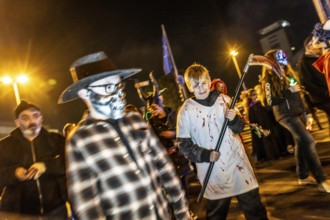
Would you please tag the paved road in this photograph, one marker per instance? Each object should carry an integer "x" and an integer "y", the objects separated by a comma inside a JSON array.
[{"x": 280, "y": 192}]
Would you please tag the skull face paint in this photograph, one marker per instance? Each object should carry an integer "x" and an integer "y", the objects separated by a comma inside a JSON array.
[{"x": 105, "y": 102}]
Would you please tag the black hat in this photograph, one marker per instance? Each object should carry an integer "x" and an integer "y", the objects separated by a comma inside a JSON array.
[
  {"x": 23, "y": 106},
  {"x": 89, "y": 69}
]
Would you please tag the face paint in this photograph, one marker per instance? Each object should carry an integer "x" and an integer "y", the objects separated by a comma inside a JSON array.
[
  {"x": 201, "y": 88},
  {"x": 111, "y": 105},
  {"x": 281, "y": 58}
]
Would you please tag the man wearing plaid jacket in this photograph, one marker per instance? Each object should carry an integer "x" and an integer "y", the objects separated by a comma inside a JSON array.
[{"x": 116, "y": 166}]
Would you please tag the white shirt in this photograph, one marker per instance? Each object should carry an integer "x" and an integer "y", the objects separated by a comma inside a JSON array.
[{"x": 232, "y": 174}]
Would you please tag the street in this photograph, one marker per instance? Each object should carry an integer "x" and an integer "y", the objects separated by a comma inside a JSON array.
[{"x": 279, "y": 189}]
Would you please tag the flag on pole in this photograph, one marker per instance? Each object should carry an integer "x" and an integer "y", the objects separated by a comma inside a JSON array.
[
  {"x": 169, "y": 65},
  {"x": 167, "y": 57}
]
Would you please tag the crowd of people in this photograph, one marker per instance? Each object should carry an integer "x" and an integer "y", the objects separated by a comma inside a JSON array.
[{"x": 120, "y": 163}]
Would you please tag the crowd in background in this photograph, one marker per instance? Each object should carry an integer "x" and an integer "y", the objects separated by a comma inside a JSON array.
[{"x": 32, "y": 160}]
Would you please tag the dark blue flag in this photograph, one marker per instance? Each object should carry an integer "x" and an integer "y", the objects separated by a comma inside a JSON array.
[{"x": 167, "y": 61}]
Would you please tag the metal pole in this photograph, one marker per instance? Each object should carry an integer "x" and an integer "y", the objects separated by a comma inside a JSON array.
[
  {"x": 322, "y": 8},
  {"x": 223, "y": 129},
  {"x": 17, "y": 97},
  {"x": 238, "y": 70}
]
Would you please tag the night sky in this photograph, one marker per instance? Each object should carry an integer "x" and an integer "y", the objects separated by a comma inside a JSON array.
[{"x": 44, "y": 37}]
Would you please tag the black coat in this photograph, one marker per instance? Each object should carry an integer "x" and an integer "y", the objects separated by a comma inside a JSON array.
[
  {"x": 169, "y": 124},
  {"x": 23, "y": 196},
  {"x": 313, "y": 80}
]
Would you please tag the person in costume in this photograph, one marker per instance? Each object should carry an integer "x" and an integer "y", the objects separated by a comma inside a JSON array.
[
  {"x": 219, "y": 85},
  {"x": 289, "y": 111},
  {"x": 116, "y": 166},
  {"x": 200, "y": 120}
]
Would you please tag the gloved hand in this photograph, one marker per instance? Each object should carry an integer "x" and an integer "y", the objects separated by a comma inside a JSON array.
[{"x": 39, "y": 167}]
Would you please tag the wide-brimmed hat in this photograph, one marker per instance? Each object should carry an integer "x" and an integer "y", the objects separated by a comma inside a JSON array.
[{"x": 89, "y": 69}]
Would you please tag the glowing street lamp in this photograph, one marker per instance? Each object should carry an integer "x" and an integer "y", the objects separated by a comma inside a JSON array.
[
  {"x": 21, "y": 79},
  {"x": 233, "y": 54}
]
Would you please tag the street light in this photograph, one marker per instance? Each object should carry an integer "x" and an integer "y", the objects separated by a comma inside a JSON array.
[
  {"x": 233, "y": 54},
  {"x": 21, "y": 79}
]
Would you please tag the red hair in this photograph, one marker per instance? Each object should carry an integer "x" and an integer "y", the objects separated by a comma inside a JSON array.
[{"x": 215, "y": 82}]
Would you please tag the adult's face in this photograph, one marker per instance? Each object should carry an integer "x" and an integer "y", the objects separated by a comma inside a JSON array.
[
  {"x": 220, "y": 87},
  {"x": 254, "y": 96},
  {"x": 29, "y": 122},
  {"x": 106, "y": 98}
]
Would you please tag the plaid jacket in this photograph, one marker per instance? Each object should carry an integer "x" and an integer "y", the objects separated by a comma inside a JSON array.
[{"x": 105, "y": 182}]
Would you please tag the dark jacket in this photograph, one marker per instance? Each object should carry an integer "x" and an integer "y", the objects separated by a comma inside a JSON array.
[
  {"x": 313, "y": 80},
  {"x": 26, "y": 197},
  {"x": 289, "y": 105},
  {"x": 168, "y": 123}
]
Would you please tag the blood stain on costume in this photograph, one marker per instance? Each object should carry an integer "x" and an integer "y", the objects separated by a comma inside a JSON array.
[
  {"x": 239, "y": 168},
  {"x": 203, "y": 123},
  {"x": 247, "y": 182}
]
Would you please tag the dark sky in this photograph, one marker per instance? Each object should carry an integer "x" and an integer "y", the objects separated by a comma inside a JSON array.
[{"x": 43, "y": 37}]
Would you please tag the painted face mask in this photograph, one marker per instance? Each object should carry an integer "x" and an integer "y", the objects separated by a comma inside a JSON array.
[
  {"x": 111, "y": 103},
  {"x": 281, "y": 57}
]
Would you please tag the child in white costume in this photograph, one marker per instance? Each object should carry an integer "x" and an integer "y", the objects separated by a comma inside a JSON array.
[{"x": 200, "y": 120}]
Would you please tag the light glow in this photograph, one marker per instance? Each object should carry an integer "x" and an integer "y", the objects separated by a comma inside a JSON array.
[
  {"x": 7, "y": 80},
  {"x": 21, "y": 79},
  {"x": 233, "y": 53}
]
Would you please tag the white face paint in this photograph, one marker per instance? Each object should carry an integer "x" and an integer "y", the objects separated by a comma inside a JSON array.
[
  {"x": 201, "y": 88},
  {"x": 106, "y": 98}
]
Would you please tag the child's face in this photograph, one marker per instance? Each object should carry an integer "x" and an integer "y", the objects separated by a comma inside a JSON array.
[{"x": 201, "y": 88}]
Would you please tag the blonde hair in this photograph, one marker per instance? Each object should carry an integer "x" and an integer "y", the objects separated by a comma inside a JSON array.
[{"x": 194, "y": 73}]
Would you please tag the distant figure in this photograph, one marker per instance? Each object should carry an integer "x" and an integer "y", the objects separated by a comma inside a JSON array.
[
  {"x": 116, "y": 166},
  {"x": 32, "y": 168},
  {"x": 283, "y": 137},
  {"x": 200, "y": 120},
  {"x": 264, "y": 144},
  {"x": 219, "y": 85},
  {"x": 150, "y": 96},
  {"x": 284, "y": 96},
  {"x": 163, "y": 122},
  {"x": 313, "y": 80}
]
